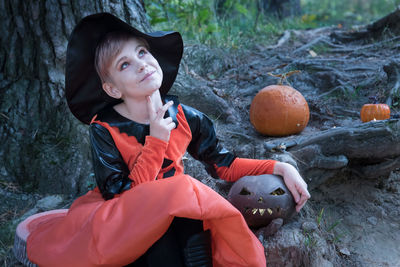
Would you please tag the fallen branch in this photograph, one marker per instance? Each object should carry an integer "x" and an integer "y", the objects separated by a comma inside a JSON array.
[
  {"x": 282, "y": 40},
  {"x": 388, "y": 25}
]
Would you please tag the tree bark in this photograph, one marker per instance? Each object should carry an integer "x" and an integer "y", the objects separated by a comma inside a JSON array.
[{"x": 44, "y": 148}]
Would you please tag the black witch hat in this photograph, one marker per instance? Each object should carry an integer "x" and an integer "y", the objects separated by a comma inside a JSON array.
[{"x": 83, "y": 86}]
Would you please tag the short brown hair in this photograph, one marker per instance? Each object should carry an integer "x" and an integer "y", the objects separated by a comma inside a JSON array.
[{"x": 108, "y": 48}]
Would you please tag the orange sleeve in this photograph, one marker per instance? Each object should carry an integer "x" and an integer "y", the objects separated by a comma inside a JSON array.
[
  {"x": 148, "y": 163},
  {"x": 243, "y": 167}
]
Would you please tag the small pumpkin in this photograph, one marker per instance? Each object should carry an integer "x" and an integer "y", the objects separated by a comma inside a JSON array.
[
  {"x": 374, "y": 111},
  {"x": 279, "y": 110}
]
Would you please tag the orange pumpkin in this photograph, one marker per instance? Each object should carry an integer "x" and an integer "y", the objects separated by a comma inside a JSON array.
[
  {"x": 279, "y": 110},
  {"x": 370, "y": 112}
]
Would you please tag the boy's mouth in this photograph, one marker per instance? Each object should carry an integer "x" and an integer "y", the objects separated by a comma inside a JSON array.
[{"x": 147, "y": 75}]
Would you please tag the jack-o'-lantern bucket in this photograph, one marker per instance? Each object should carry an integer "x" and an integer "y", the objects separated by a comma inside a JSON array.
[{"x": 261, "y": 199}]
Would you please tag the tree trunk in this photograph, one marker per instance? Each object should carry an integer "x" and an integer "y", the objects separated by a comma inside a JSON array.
[
  {"x": 44, "y": 147},
  {"x": 282, "y": 8}
]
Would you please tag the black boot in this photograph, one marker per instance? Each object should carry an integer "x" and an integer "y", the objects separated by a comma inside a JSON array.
[{"x": 197, "y": 252}]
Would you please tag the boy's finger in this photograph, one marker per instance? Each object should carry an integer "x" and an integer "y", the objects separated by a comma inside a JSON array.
[
  {"x": 171, "y": 126},
  {"x": 294, "y": 192},
  {"x": 163, "y": 109},
  {"x": 304, "y": 197},
  {"x": 298, "y": 207},
  {"x": 150, "y": 108},
  {"x": 301, "y": 203},
  {"x": 168, "y": 120}
]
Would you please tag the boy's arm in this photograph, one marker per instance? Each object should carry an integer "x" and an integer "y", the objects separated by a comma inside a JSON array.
[
  {"x": 110, "y": 170},
  {"x": 243, "y": 167},
  {"x": 294, "y": 183},
  {"x": 113, "y": 176},
  {"x": 204, "y": 145},
  {"x": 219, "y": 162}
]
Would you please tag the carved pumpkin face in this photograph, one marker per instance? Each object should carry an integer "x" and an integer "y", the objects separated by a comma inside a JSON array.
[
  {"x": 279, "y": 110},
  {"x": 370, "y": 112},
  {"x": 261, "y": 199}
]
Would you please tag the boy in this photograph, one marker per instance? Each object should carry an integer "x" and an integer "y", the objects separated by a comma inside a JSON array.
[{"x": 145, "y": 211}]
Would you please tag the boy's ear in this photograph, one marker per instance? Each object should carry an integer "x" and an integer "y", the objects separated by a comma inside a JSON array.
[{"x": 111, "y": 90}]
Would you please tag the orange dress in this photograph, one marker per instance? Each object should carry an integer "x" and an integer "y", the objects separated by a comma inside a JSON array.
[{"x": 141, "y": 205}]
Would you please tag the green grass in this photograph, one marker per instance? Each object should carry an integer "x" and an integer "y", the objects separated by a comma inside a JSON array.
[
  {"x": 7, "y": 230},
  {"x": 327, "y": 228},
  {"x": 328, "y": 225},
  {"x": 15, "y": 203}
]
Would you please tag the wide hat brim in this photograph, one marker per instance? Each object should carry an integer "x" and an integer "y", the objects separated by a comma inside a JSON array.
[{"x": 83, "y": 87}]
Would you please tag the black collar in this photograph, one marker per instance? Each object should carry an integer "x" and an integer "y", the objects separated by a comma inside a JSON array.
[{"x": 133, "y": 128}]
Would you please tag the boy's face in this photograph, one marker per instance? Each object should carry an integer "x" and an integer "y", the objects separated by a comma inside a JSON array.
[{"x": 134, "y": 72}]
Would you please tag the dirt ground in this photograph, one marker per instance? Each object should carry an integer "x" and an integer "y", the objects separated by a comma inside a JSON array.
[
  {"x": 359, "y": 217},
  {"x": 367, "y": 217}
]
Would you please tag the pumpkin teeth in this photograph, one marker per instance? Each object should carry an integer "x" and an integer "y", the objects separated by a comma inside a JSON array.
[
  {"x": 269, "y": 211},
  {"x": 261, "y": 211},
  {"x": 254, "y": 211}
]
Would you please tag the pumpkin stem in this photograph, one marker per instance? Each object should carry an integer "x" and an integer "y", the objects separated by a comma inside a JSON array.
[{"x": 283, "y": 77}]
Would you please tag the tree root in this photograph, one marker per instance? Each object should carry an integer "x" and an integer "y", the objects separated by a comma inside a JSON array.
[{"x": 370, "y": 150}]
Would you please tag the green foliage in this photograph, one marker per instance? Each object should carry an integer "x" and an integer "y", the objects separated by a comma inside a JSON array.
[
  {"x": 238, "y": 23},
  {"x": 213, "y": 23},
  {"x": 347, "y": 13}
]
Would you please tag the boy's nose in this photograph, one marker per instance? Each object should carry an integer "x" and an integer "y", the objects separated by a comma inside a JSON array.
[{"x": 142, "y": 66}]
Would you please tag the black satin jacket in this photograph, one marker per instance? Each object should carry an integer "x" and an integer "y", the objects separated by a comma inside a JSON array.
[{"x": 111, "y": 171}]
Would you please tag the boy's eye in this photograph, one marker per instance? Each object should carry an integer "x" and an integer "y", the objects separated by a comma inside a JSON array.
[
  {"x": 142, "y": 52},
  {"x": 124, "y": 65}
]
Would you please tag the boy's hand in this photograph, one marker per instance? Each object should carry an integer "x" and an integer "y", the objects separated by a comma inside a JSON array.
[
  {"x": 294, "y": 183},
  {"x": 160, "y": 127}
]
